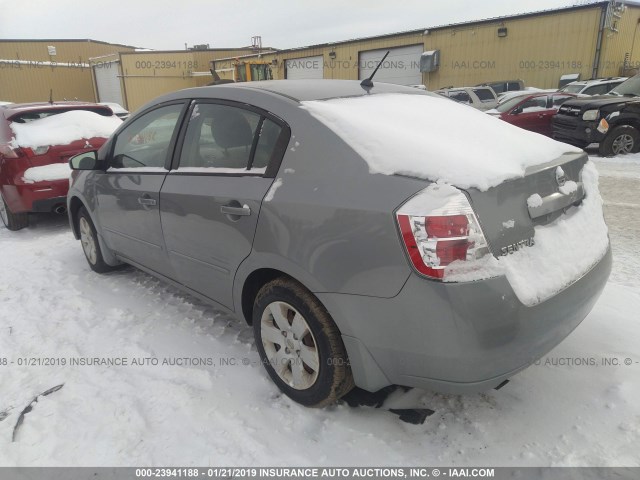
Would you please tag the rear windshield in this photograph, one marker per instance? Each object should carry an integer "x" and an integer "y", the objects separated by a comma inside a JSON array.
[{"x": 31, "y": 115}]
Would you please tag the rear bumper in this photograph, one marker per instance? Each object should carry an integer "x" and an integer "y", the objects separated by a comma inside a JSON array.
[
  {"x": 49, "y": 204},
  {"x": 36, "y": 197},
  {"x": 457, "y": 338},
  {"x": 574, "y": 130}
]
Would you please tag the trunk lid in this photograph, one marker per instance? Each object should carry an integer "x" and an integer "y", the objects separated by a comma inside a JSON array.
[{"x": 509, "y": 212}]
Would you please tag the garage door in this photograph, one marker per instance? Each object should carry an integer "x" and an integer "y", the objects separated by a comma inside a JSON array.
[
  {"x": 402, "y": 66},
  {"x": 305, "y": 68},
  {"x": 108, "y": 82}
]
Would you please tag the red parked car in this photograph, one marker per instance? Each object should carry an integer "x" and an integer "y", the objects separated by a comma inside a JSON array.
[
  {"x": 36, "y": 142},
  {"x": 531, "y": 112}
]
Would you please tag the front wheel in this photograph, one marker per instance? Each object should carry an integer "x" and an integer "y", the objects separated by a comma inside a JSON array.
[
  {"x": 620, "y": 141},
  {"x": 13, "y": 221},
  {"x": 90, "y": 244},
  {"x": 299, "y": 344}
]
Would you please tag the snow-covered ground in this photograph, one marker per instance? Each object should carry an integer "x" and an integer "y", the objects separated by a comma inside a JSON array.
[{"x": 571, "y": 409}]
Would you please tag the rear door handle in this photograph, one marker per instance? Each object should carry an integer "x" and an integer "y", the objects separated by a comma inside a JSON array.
[
  {"x": 146, "y": 200},
  {"x": 243, "y": 211}
]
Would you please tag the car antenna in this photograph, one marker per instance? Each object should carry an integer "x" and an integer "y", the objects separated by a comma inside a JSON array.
[
  {"x": 51, "y": 96},
  {"x": 367, "y": 83}
]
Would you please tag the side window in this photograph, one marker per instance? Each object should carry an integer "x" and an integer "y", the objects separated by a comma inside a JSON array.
[
  {"x": 484, "y": 94},
  {"x": 534, "y": 104},
  {"x": 220, "y": 138},
  {"x": 460, "y": 96},
  {"x": 266, "y": 144},
  {"x": 145, "y": 142},
  {"x": 558, "y": 100},
  {"x": 596, "y": 90}
]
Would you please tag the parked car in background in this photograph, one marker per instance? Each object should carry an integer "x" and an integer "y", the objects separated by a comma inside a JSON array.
[
  {"x": 363, "y": 252},
  {"x": 531, "y": 112},
  {"x": 611, "y": 120},
  {"x": 504, "y": 86},
  {"x": 117, "y": 110},
  {"x": 481, "y": 98},
  {"x": 36, "y": 142},
  {"x": 598, "y": 86}
]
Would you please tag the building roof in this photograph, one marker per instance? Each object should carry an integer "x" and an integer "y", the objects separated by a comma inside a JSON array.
[{"x": 60, "y": 40}]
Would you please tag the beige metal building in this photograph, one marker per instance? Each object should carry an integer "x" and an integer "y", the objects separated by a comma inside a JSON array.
[
  {"x": 31, "y": 70},
  {"x": 585, "y": 41},
  {"x": 595, "y": 40}
]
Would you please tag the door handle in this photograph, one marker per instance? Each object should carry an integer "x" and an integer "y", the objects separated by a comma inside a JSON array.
[
  {"x": 243, "y": 211},
  {"x": 146, "y": 200}
]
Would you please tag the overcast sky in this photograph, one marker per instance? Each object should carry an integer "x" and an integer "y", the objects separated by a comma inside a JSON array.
[{"x": 169, "y": 24}]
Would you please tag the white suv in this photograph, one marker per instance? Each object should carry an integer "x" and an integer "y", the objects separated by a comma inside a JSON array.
[
  {"x": 599, "y": 86},
  {"x": 482, "y": 98}
]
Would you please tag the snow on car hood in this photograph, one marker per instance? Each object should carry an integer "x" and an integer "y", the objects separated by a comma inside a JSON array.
[
  {"x": 63, "y": 129},
  {"x": 434, "y": 138}
]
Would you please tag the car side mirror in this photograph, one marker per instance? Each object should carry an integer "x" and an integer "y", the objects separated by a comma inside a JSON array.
[
  {"x": 516, "y": 111},
  {"x": 84, "y": 161}
]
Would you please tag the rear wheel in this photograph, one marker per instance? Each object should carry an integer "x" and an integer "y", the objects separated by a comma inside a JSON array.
[
  {"x": 13, "y": 221},
  {"x": 90, "y": 244},
  {"x": 299, "y": 344},
  {"x": 620, "y": 141}
]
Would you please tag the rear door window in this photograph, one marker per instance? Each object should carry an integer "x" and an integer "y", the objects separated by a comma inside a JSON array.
[
  {"x": 535, "y": 104},
  {"x": 484, "y": 94},
  {"x": 460, "y": 96},
  {"x": 557, "y": 100},
  {"x": 597, "y": 89},
  {"x": 228, "y": 139}
]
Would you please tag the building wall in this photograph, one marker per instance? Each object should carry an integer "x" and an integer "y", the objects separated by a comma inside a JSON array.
[
  {"x": 28, "y": 73},
  {"x": 147, "y": 75},
  {"x": 538, "y": 49},
  {"x": 621, "y": 45}
]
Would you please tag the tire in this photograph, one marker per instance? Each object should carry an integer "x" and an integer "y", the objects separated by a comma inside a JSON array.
[
  {"x": 312, "y": 367},
  {"x": 13, "y": 221},
  {"x": 90, "y": 244},
  {"x": 620, "y": 141}
]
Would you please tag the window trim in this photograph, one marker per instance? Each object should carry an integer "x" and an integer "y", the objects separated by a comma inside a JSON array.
[
  {"x": 276, "y": 156},
  {"x": 171, "y": 147}
]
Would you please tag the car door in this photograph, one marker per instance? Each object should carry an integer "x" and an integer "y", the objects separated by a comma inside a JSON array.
[
  {"x": 532, "y": 114},
  {"x": 128, "y": 193},
  {"x": 210, "y": 200}
]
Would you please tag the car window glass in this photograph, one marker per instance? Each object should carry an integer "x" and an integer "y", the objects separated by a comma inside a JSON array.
[
  {"x": 558, "y": 100},
  {"x": 484, "y": 94},
  {"x": 596, "y": 90},
  {"x": 535, "y": 104},
  {"x": 145, "y": 141},
  {"x": 266, "y": 144},
  {"x": 513, "y": 86},
  {"x": 219, "y": 137},
  {"x": 460, "y": 96}
]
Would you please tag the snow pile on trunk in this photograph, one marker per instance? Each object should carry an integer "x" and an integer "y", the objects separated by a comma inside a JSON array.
[
  {"x": 63, "y": 129},
  {"x": 434, "y": 138},
  {"x": 55, "y": 171},
  {"x": 564, "y": 251}
]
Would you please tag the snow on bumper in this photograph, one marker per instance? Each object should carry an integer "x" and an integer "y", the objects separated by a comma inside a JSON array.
[{"x": 564, "y": 251}]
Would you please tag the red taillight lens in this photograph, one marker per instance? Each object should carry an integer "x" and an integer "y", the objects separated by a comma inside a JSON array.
[
  {"x": 439, "y": 227},
  {"x": 451, "y": 250},
  {"x": 7, "y": 152},
  {"x": 447, "y": 226}
]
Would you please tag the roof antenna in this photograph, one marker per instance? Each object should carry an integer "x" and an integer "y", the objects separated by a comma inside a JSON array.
[
  {"x": 51, "y": 96},
  {"x": 367, "y": 83}
]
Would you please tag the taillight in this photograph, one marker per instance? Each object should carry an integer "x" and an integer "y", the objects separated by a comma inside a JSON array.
[
  {"x": 439, "y": 227},
  {"x": 7, "y": 152}
]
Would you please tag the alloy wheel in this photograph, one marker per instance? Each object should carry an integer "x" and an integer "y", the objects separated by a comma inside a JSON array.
[{"x": 289, "y": 345}]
